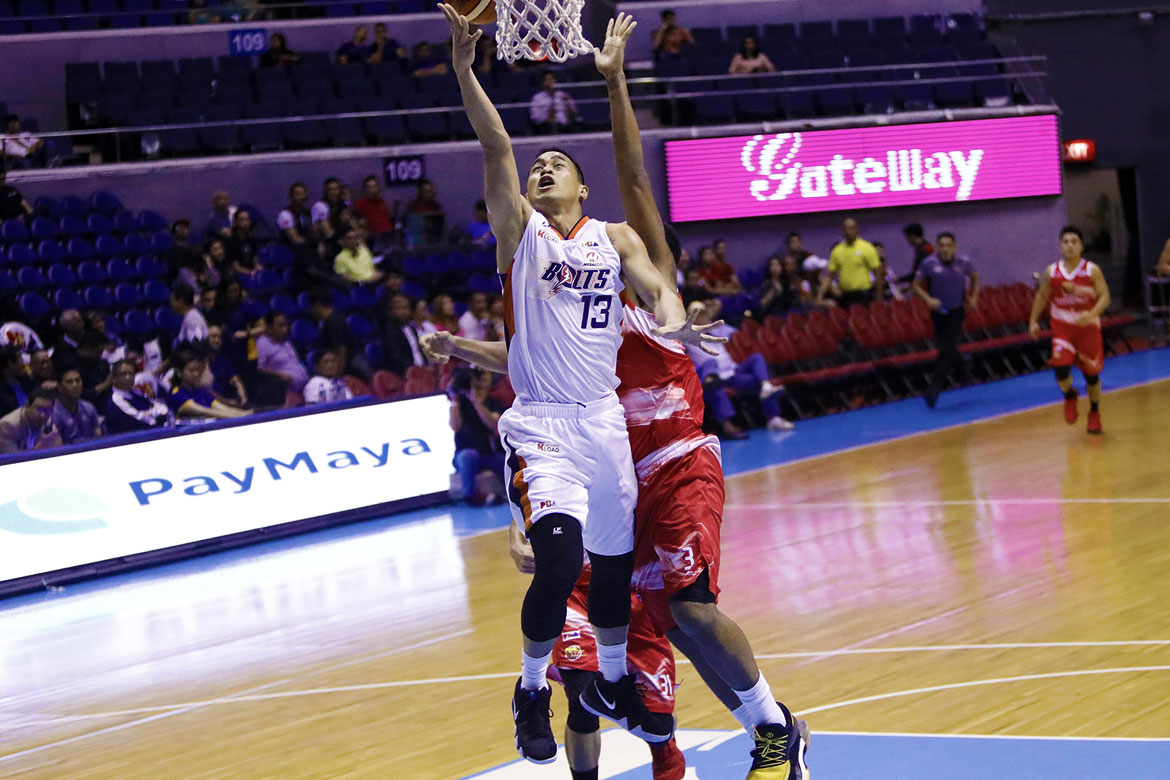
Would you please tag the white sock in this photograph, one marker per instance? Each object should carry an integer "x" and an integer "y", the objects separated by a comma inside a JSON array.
[
  {"x": 534, "y": 671},
  {"x": 759, "y": 706},
  {"x": 740, "y": 714},
  {"x": 611, "y": 661}
]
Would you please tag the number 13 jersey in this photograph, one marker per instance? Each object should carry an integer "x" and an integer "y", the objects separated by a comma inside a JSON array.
[{"x": 562, "y": 313}]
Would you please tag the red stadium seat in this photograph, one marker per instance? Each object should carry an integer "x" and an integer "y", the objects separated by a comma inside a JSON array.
[{"x": 387, "y": 385}]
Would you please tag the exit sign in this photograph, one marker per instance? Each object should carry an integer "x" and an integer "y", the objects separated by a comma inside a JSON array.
[{"x": 1080, "y": 150}]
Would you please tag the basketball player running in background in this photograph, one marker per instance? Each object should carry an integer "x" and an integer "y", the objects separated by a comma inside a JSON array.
[
  {"x": 680, "y": 500},
  {"x": 569, "y": 472},
  {"x": 1076, "y": 291}
]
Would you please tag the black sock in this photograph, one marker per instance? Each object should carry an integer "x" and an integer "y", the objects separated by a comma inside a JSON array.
[
  {"x": 1070, "y": 394},
  {"x": 584, "y": 774},
  {"x": 1092, "y": 406}
]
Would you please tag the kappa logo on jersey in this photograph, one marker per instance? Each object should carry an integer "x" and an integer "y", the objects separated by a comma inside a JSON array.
[
  {"x": 544, "y": 446},
  {"x": 542, "y": 233},
  {"x": 563, "y": 275}
]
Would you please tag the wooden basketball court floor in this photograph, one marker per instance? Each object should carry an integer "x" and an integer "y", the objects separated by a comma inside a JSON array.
[{"x": 998, "y": 579}]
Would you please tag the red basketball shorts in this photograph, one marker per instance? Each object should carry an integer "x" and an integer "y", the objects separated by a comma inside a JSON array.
[
  {"x": 676, "y": 530},
  {"x": 1078, "y": 345},
  {"x": 647, "y": 652}
]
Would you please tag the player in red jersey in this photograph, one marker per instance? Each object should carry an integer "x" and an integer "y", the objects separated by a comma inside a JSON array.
[
  {"x": 680, "y": 475},
  {"x": 1075, "y": 292},
  {"x": 574, "y": 664}
]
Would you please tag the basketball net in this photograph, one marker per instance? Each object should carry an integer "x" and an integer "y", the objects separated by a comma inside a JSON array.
[{"x": 540, "y": 30}]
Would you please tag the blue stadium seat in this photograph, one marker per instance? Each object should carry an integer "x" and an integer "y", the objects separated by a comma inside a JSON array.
[
  {"x": 483, "y": 259},
  {"x": 34, "y": 306},
  {"x": 124, "y": 222},
  {"x": 875, "y": 100},
  {"x": 261, "y": 137},
  {"x": 233, "y": 68},
  {"x": 31, "y": 279},
  {"x": 149, "y": 268},
  {"x": 98, "y": 297},
  {"x": 363, "y": 297},
  {"x": 282, "y": 303},
  {"x": 46, "y": 206},
  {"x": 21, "y": 254},
  {"x": 413, "y": 289},
  {"x": 73, "y": 11},
  {"x": 151, "y": 221},
  {"x": 835, "y": 102},
  {"x": 166, "y": 320},
  {"x": 303, "y": 333},
  {"x": 264, "y": 282},
  {"x": 137, "y": 322},
  {"x": 715, "y": 108},
  {"x": 374, "y": 355},
  {"x": 161, "y": 241},
  {"x": 303, "y": 302},
  {"x": 50, "y": 252},
  {"x": 276, "y": 256},
  {"x": 360, "y": 327},
  {"x": 954, "y": 94},
  {"x": 994, "y": 92},
  {"x": 44, "y": 227},
  {"x": 118, "y": 270},
  {"x": 41, "y": 9},
  {"x": 7, "y": 283},
  {"x": 99, "y": 225},
  {"x": 12, "y": 231},
  {"x": 73, "y": 206},
  {"x": 109, "y": 246},
  {"x": 61, "y": 275},
  {"x": 65, "y": 299},
  {"x": 196, "y": 70},
  {"x": 386, "y": 129},
  {"x": 798, "y": 104},
  {"x": 757, "y": 107},
  {"x": 308, "y": 134},
  {"x": 91, "y": 272},
  {"x": 106, "y": 202},
  {"x": 136, "y": 244},
  {"x": 345, "y": 131},
  {"x": 127, "y": 295},
  {"x": 71, "y": 226},
  {"x": 428, "y": 127},
  {"x": 156, "y": 292}
]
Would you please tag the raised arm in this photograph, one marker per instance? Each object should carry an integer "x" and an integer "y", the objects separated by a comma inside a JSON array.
[
  {"x": 441, "y": 346},
  {"x": 634, "y": 185},
  {"x": 508, "y": 211}
]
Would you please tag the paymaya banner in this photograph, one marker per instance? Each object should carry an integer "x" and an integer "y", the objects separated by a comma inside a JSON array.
[{"x": 85, "y": 507}]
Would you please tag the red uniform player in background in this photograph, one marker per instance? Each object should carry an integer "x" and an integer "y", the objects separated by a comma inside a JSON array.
[{"x": 1075, "y": 292}]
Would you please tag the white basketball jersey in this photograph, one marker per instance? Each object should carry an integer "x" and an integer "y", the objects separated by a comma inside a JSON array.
[{"x": 563, "y": 313}]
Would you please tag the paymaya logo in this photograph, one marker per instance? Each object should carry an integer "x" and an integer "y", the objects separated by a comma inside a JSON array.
[{"x": 53, "y": 511}]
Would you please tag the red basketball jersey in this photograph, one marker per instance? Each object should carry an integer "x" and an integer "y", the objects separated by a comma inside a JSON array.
[
  {"x": 660, "y": 392},
  {"x": 1072, "y": 293}
]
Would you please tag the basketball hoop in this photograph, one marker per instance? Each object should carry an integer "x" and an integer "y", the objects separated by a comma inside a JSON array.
[{"x": 540, "y": 30}]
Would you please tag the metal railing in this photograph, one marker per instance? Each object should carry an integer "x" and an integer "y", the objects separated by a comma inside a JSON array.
[{"x": 647, "y": 91}]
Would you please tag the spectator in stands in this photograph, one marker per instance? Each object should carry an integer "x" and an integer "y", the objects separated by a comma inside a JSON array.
[
  {"x": 551, "y": 110},
  {"x": 335, "y": 335},
  {"x": 241, "y": 246},
  {"x": 886, "y": 285},
  {"x": 855, "y": 264},
  {"x": 749, "y": 378},
  {"x": 72, "y": 328},
  {"x": 40, "y": 367},
  {"x": 356, "y": 49},
  {"x": 443, "y": 313},
  {"x": 421, "y": 317},
  {"x": 15, "y": 383},
  {"x": 694, "y": 288},
  {"x": 671, "y": 37},
  {"x": 17, "y": 334},
  {"x": 225, "y": 380},
  {"x": 189, "y": 398},
  {"x": 12, "y": 203},
  {"x": 778, "y": 292},
  {"x": 384, "y": 48},
  {"x": 276, "y": 357},
  {"x": 295, "y": 220},
  {"x": 425, "y": 61},
  {"x": 202, "y": 271},
  {"x": 278, "y": 53},
  {"x": 716, "y": 271},
  {"x": 393, "y": 282},
  {"x": 473, "y": 324},
  {"x": 681, "y": 266},
  {"x": 326, "y": 212},
  {"x": 400, "y": 337},
  {"x": 355, "y": 262},
  {"x": 31, "y": 426},
  {"x": 426, "y": 221},
  {"x": 228, "y": 302},
  {"x": 950, "y": 279},
  {"x": 915, "y": 237},
  {"x": 96, "y": 376},
  {"x": 178, "y": 255},
  {"x": 19, "y": 146},
  {"x": 128, "y": 409},
  {"x": 475, "y": 415},
  {"x": 327, "y": 383},
  {"x": 193, "y": 329},
  {"x": 749, "y": 59},
  {"x": 379, "y": 215},
  {"x": 74, "y": 417},
  {"x": 486, "y": 61},
  {"x": 219, "y": 224},
  {"x": 495, "y": 330},
  {"x": 794, "y": 245},
  {"x": 479, "y": 229},
  {"x": 208, "y": 300}
]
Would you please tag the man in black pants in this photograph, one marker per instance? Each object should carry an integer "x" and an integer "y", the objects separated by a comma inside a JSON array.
[{"x": 947, "y": 278}]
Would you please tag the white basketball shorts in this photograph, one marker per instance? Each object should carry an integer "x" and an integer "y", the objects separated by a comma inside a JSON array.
[{"x": 573, "y": 459}]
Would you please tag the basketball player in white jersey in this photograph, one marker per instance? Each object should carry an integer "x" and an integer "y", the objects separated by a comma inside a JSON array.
[
  {"x": 685, "y": 606},
  {"x": 570, "y": 475}
]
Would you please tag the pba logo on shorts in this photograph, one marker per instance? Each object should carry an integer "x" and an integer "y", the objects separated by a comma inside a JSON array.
[
  {"x": 546, "y": 447},
  {"x": 573, "y": 653},
  {"x": 546, "y": 504}
]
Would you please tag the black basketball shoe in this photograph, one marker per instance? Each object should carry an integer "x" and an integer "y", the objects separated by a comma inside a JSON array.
[
  {"x": 622, "y": 703},
  {"x": 531, "y": 713}
]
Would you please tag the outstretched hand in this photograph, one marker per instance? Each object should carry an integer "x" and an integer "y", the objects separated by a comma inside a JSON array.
[
  {"x": 690, "y": 333},
  {"x": 463, "y": 40},
  {"x": 610, "y": 58},
  {"x": 437, "y": 346}
]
